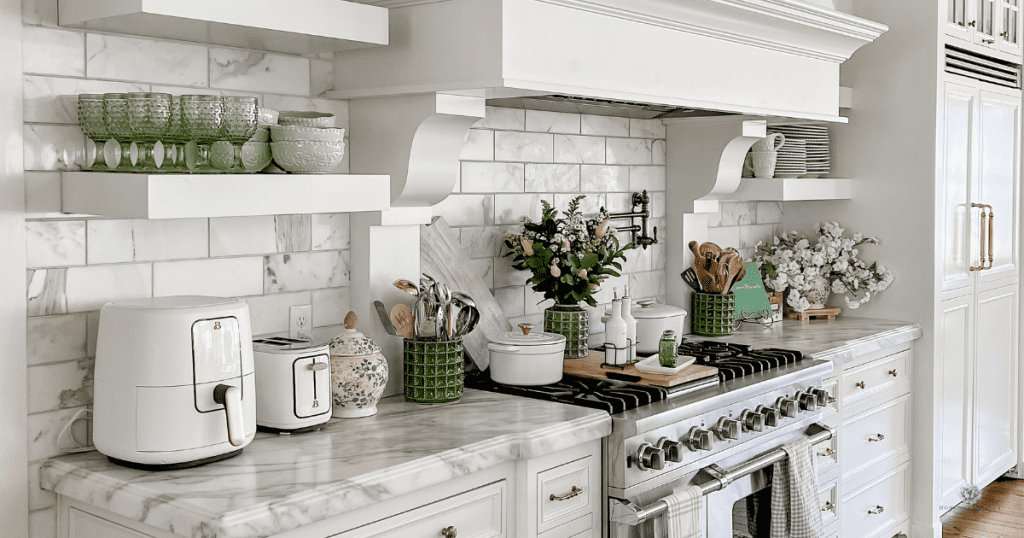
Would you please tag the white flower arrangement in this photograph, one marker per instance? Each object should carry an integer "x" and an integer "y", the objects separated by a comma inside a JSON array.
[{"x": 792, "y": 263}]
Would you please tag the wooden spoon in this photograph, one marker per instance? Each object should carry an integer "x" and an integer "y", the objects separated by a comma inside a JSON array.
[
  {"x": 407, "y": 287},
  {"x": 401, "y": 317},
  {"x": 710, "y": 248},
  {"x": 695, "y": 250}
]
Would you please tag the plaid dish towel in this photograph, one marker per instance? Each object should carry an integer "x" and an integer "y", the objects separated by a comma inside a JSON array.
[
  {"x": 795, "y": 512},
  {"x": 683, "y": 517}
]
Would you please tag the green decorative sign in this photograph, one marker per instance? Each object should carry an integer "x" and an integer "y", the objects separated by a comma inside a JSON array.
[{"x": 751, "y": 298}]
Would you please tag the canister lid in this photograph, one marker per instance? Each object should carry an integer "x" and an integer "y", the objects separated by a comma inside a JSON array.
[{"x": 352, "y": 343}]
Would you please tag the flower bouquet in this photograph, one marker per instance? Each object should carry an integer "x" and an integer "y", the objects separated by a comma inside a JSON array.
[
  {"x": 569, "y": 257},
  {"x": 812, "y": 272}
]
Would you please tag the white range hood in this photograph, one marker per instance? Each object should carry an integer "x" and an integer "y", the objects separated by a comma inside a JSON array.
[{"x": 765, "y": 57}]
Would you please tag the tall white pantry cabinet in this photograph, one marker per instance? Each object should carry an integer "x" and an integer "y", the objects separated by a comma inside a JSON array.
[{"x": 934, "y": 139}]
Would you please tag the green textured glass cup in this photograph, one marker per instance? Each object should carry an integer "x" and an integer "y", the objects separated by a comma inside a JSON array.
[
  {"x": 149, "y": 115},
  {"x": 90, "y": 120},
  {"x": 572, "y": 322},
  {"x": 202, "y": 117},
  {"x": 240, "y": 123},
  {"x": 433, "y": 370},
  {"x": 714, "y": 314},
  {"x": 174, "y": 140},
  {"x": 119, "y": 152}
]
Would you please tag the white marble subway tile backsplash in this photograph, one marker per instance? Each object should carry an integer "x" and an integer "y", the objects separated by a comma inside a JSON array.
[
  {"x": 552, "y": 177},
  {"x": 511, "y": 301},
  {"x": 769, "y": 213},
  {"x": 512, "y": 119},
  {"x": 552, "y": 122},
  {"x": 481, "y": 241},
  {"x": 305, "y": 271},
  {"x": 89, "y": 288},
  {"x": 579, "y": 149},
  {"x": 237, "y": 69},
  {"x": 270, "y": 313},
  {"x": 511, "y": 208},
  {"x": 57, "y": 338},
  {"x": 479, "y": 146},
  {"x": 118, "y": 241},
  {"x": 42, "y": 433},
  {"x": 602, "y": 178},
  {"x": 60, "y": 385},
  {"x": 293, "y": 233},
  {"x": 658, "y": 152},
  {"x": 46, "y": 292},
  {"x": 330, "y": 305},
  {"x": 604, "y": 125},
  {"x": 146, "y": 60},
  {"x": 523, "y": 147},
  {"x": 492, "y": 177},
  {"x": 52, "y": 51},
  {"x": 53, "y": 147},
  {"x": 55, "y": 99},
  {"x": 239, "y": 236},
  {"x": 629, "y": 151},
  {"x": 39, "y": 12},
  {"x": 222, "y": 277},
  {"x": 639, "y": 128},
  {"x": 321, "y": 77},
  {"x": 55, "y": 243},
  {"x": 589, "y": 205},
  {"x": 646, "y": 178},
  {"x": 467, "y": 209},
  {"x": 330, "y": 231},
  {"x": 739, "y": 213}
]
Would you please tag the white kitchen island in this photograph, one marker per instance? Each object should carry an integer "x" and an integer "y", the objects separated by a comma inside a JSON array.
[{"x": 477, "y": 465}]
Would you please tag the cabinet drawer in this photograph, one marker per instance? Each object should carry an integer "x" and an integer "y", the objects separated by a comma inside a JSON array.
[
  {"x": 564, "y": 493},
  {"x": 826, "y": 455},
  {"x": 828, "y": 503},
  {"x": 478, "y": 513},
  {"x": 870, "y": 441},
  {"x": 876, "y": 508},
  {"x": 875, "y": 382},
  {"x": 83, "y": 525}
]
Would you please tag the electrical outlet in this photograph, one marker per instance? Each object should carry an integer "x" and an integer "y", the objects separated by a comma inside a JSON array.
[{"x": 300, "y": 322}]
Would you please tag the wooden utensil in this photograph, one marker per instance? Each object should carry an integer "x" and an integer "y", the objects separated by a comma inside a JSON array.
[
  {"x": 401, "y": 317},
  {"x": 695, "y": 250},
  {"x": 407, "y": 287},
  {"x": 710, "y": 248}
]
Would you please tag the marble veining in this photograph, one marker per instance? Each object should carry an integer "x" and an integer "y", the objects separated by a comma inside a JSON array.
[
  {"x": 492, "y": 177},
  {"x": 53, "y": 51},
  {"x": 330, "y": 231},
  {"x": 840, "y": 341},
  {"x": 596, "y": 178},
  {"x": 529, "y": 147},
  {"x": 629, "y": 151},
  {"x": 579, "y": 149},
  {"x": 305, "y": 271},
  {"x": 293, "y": 233},
  {"x": 146, "y": 60},
  {"x": 47, "y": 292},
  {"x": 552, "y": 178},
  {"x": 56, "y": 338},
  {"x": 55, "y": 243},
  {"x": 552, "y": 122},
  {"x": 281, "y": 483},
  {"x": 259, "y": 71}
]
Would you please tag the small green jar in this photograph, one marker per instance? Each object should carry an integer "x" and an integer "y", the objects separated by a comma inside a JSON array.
[{"x": 667, "y": 350}]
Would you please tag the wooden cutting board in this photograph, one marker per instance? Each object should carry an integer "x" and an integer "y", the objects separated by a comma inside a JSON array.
[
  {"x": 442, "y": 257},
  {"x": 591, "y": 367}
]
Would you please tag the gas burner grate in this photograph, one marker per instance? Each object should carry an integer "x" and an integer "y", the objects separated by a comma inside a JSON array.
[
  {"x": 738, "y": 360},
  {"x": 611, "y": 396}
]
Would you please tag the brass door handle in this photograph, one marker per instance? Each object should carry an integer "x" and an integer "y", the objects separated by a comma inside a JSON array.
[
  {"x": 972, "y": 24},
  {"x": 1003, "y": 34},
  {"x": 861, "y": 384},
  {"x": 877, "y": 510},
  {"x": 986, "y": 215},
  {"x": 988, "y": 41},
  {"x": 828, "y": 506},
  {"x": 893, "y": 372},
  {"x": 449, "y": 532},
  {"x": 575, "y": 491},
  {"x": 877, "y": 438},
  {"x": 827, "y": 452}
]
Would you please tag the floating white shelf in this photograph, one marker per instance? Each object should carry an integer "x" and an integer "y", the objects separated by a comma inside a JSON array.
[
  {"x": 794, "y": 189},
  {"x": 304, "y": 27},
  {"x": 178, "y": 196}
]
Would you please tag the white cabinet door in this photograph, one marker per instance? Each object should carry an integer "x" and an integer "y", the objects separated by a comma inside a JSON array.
[
  {"x": 995, "y": 384},
  {"x": 954, "y": 350},
  {"x": 961, "y": 19},
  {"x": 1010, "y": 27},
  {"x": 997, "y": 184},
  {"x": 961, "y": 104},
  {"x": 986, "y": 30}
]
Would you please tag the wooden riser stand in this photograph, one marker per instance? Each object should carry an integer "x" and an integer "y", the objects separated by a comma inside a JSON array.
[{"x": 806, "y": 316}]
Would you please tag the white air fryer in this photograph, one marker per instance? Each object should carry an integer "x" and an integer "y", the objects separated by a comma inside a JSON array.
[
  {"x": 293, "y": 384},
  {"x": 174, "y": 381}
]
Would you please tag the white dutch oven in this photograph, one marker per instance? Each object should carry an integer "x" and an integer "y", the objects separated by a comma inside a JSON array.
[
  {"x": 525, "y": 358},
  {"x": 651, "y": 321}
]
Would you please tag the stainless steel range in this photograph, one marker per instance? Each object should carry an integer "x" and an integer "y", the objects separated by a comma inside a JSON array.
[{"x": 722, "y": 437}]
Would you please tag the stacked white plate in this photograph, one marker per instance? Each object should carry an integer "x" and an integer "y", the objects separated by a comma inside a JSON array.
[
  {"x": 816, "y": 148},
  {"x": 792, "y": 159}
]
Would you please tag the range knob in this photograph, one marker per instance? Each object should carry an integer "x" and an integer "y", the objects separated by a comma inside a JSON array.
[
  {"x": 752, "y": 420},
  {"x": 787, "y": 406},
  {"x": 698, "y": 439},
  {"x": 806, "y": 400},
  {"x": 649, "y": 456},
  {"x": 771, "y": 415},
  {"x": 728, "y": 428},
  {"x": 673, "y": 450},
  {"x": 821, "y": 396}
]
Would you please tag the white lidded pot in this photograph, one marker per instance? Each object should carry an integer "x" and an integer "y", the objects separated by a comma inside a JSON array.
[
  {"x": 526, "y": 358},
  {"x": 652, "y": 320}
]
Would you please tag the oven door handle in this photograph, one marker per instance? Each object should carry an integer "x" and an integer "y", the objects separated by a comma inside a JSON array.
[{"x": 629, "y": 513}]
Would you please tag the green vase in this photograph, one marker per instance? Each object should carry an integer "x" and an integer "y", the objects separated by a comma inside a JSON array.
[
  {"x": 714, "y": 314},
  {"x": 573, "y": 322}
]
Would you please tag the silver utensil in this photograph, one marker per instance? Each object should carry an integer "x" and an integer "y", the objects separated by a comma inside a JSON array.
[
  {"x": 385, "y": 318},
  {"x": 407, "y": 287}
]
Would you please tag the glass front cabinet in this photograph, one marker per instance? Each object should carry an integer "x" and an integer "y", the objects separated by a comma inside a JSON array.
[{"x": 991, "y": 24}]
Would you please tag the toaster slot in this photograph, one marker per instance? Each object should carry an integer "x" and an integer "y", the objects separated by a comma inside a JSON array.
[{"x": 312, "y": 382}]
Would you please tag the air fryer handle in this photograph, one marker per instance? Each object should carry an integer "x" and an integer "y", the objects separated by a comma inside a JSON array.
[{"x": 231, "y": 398}]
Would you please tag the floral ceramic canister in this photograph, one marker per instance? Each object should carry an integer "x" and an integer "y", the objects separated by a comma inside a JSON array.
[{"x": 358, "y": 372}]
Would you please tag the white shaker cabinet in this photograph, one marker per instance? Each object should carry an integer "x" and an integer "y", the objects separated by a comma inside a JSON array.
[
  {"x": 976, "y": 353},
  {"x": 993, "y": 26}
]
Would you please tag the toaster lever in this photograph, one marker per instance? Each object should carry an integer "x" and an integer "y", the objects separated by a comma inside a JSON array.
[
  {"x": 231, "y": 398},
  {"x": 316, "y": 366}
]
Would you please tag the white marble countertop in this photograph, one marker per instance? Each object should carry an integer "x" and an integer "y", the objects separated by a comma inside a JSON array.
[
  {"x": 279, "y": 483},
  {"x": 839, "y": 341}
]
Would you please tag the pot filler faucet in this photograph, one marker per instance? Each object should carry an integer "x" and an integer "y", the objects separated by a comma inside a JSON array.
[{"x": 641, "y": 199}]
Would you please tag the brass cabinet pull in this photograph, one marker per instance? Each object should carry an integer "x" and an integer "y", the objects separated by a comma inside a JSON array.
[
  {"x": 861, "y": 384},
  {"x": 827, "y": 452},
  {"x": 575, "y": 491},
  {"x": 449, "y": 532},
  {"x": 828, "y": 506},
  {"x": 986, "y": 215},
  {"x": 831, "y": 399},
  {"x": 972, "y": 24},
  {"x": 988, "y": 41},
  {"x": 877, "y": 438},
  {"x": 877, "y": 510},
  {"x": 893, "y": 372},
  {"x": 1003, "y": 34}
]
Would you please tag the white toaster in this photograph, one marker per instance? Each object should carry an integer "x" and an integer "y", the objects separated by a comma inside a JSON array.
[
  {"x": 175, "y": 381},
  {"x": 293, "y": 384}
]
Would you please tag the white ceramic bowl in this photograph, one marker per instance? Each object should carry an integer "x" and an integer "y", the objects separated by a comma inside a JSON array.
[
  {"x": 527, "y": 360},
  {"x": 262, "y": 134},
  {"x": 309, "y": 156},
  {"x": 309, "y": 119},
  {"x": 266, "y": 116},
  {"x": 280, "y": 133}
]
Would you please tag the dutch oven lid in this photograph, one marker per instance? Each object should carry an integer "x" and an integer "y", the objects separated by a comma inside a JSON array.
[
  {"x": 525, "y": 337},
  {"x": 650, "y": 310}
]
